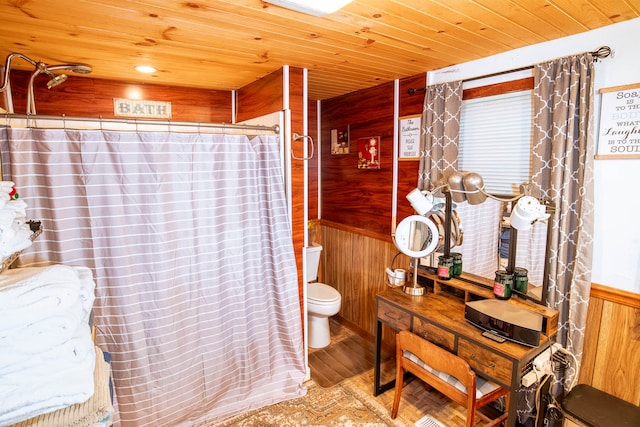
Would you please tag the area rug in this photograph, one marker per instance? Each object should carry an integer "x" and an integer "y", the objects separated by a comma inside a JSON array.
[
  {"x": 341, "y": 360},
  {"x": 416, "y": 402},
  {"x": 335, "y": 406}
]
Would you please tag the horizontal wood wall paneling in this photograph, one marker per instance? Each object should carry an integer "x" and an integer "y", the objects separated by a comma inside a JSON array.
[
  {"x": 352, "y": 196},
  {"x": 88, "y": 97},
  {"x": 261, "y": 97},
  {"x": 412, "y": 104}
]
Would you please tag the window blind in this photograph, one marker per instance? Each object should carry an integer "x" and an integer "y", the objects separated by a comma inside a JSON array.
[{"x": 495, "y": 140}]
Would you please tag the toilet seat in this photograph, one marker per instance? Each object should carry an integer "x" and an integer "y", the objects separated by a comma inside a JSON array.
[{"x": 320, "y": 293}]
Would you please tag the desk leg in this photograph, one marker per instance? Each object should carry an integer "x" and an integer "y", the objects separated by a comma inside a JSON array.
[{"x": 377, "y": 388}]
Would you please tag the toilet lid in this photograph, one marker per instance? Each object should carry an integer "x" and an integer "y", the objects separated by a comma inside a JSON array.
[{"x": 322, "y": 292}]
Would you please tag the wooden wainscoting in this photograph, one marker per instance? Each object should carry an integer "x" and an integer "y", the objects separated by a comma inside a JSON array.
[
  {"x": 611, "y": 357},
  {"x": 354, "y": 264}
]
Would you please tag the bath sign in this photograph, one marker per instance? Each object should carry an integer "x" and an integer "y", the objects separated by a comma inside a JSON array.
[
  {"x": 409, "y": 137},
  {"x": 141, "y": 108},
  {"x": 619, "y": 135}
]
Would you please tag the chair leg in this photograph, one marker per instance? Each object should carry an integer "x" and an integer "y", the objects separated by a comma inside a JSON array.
[{"x": 398, "y": 391}]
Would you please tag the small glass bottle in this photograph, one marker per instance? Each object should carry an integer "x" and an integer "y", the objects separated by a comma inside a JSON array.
[{"x": 503, "y": 284}]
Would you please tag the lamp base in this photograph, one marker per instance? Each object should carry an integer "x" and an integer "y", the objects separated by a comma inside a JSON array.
[{"x": 415, "y": 290}]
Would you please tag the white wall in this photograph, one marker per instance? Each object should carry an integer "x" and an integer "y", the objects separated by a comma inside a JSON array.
[{"x": 616, "y": 249}]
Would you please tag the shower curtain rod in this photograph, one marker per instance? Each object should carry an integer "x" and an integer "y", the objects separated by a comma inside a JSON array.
[
  {"x": 135, "y": 122},
  {"x": 601, "y": 52}
]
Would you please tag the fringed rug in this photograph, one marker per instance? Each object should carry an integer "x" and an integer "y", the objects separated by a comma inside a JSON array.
[{"x": 335, "y": 406}]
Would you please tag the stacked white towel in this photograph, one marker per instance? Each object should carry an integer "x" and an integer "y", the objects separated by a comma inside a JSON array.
[
  {"x": 47, "y": 356},
  {"x": 14, "y": 231}
]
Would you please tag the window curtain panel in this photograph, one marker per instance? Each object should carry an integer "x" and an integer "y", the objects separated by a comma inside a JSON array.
[
  {"x": 439, "y": 157},
  {"x": 440, "y": 132},
  {"x": 562, "y": 164},
  {"x": 189, "y": 240}
]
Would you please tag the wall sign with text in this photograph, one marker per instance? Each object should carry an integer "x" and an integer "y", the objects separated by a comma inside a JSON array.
[
  {"x": 619, "y": 135},
  {"x": 409, "y": 137}
]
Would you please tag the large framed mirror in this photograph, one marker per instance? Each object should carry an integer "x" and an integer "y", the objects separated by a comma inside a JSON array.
[{"x": 489, "y": 242}]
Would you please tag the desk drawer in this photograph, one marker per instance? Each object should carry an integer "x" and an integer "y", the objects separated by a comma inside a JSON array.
[
  {"x": 397, "y": 318},
  {"x": 483, "y": 360},
  {"x": 432, "y": 333}
]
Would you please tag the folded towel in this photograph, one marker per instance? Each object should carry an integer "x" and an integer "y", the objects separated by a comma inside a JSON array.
[
  {"x": 18, "y": 242},
  {"x": 39, "y": 336},
  {"x": 6, "y": 217},
  {"x": 39, "y": 302},
  {"x": 87, "y": 289},
  {"x": 35, "y": 276},
  {"x": 27, "y": 394},
  {"x": 71, "y": 351}
]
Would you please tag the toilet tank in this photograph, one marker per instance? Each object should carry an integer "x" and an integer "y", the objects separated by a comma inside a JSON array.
[{"x": 313, "y": 261}]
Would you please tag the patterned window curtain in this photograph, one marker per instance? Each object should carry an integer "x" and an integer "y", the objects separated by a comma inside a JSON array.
[
  {"x": 563, "y": 148},
  {"x": 440, "y": 131}
]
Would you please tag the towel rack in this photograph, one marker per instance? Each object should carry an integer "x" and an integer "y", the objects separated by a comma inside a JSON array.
[{"x": 297, "y": 137}]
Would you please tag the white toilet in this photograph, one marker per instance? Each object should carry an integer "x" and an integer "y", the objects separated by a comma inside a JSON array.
[{"x": 322, "y": 301}]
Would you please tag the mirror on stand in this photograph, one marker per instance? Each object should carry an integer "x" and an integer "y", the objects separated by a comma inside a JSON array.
[{"x": 416, "y": 236}]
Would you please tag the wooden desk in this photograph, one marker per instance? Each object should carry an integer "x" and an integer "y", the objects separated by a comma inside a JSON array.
[{"x": 439, "y": 318}]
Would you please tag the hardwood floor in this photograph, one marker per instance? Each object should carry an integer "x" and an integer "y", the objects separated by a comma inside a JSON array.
[{"x": 345, "y": 350}]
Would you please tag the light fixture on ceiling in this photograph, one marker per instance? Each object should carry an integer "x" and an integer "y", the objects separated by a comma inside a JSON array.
[
  {"x": 145, "y": 69},
  {"x": 311, "y": 7}
]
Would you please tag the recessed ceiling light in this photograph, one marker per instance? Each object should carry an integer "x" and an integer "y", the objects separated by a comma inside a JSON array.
[
  {"x": 146, "y": 69},
  {"x": 312, "y": 7}
]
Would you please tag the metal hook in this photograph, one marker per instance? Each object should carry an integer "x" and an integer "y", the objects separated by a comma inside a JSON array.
[{"x": 296, "y": 137}]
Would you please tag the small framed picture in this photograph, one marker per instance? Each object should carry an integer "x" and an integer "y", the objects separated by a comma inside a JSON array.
[
  {"x": 369, "y": 152},
  {"x": 340, "y": 141}
]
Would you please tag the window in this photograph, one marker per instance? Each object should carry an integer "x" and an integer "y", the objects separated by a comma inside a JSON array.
[
  {"x": 495, "y": 140},
  {"x": 495, "y": 135}
]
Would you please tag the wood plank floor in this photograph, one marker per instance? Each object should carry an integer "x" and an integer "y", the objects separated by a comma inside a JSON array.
[{"x": 339, "y": 362}]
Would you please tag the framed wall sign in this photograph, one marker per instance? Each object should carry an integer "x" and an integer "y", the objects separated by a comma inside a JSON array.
[
  {"x": 410, "y": 128},
  {"x": 619, "y": 135}
]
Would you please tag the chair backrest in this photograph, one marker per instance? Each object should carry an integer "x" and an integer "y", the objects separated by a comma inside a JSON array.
[
  {"x": 446, "y": 372},
  {"x": 441, "y": 360}
]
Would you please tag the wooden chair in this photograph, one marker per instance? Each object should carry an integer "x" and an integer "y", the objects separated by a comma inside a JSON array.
[{"x": 447, "y": 373}]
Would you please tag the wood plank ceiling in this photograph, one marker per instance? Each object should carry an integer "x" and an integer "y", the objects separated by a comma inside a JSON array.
[{"x": 227, "y": 44}]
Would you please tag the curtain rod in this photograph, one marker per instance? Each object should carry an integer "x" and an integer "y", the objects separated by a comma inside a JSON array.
[
  {"x": 601, "y": 52},
  {"x": 145, "y": 122}
]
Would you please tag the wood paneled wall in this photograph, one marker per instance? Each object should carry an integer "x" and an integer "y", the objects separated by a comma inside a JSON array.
[
  {"x": 355, "y": 264},
  {"x": 358, "y": 198},
  {"x": 88, "y": 97},
  {"x": 611, "y": 356}
]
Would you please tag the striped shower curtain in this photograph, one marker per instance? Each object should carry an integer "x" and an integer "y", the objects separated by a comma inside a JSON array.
[{"x": 189, "y": 241}]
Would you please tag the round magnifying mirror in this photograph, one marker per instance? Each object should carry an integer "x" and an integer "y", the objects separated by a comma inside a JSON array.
[{"x": 416, "y": 236}]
